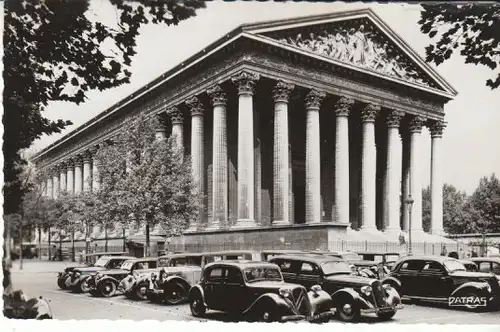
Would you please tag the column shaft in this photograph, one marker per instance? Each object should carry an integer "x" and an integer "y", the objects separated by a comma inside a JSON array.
[
  {"x": 87, "y": 174},
  {"x": 62, "y": 176},
  {"x": 415, "y": 173},
  {"x": 50, "y": 192},
  {"x": 95, "y": 176},
  {"x": 436, "y": 179},
  {"x": 368, "y": 175},
  {"x": 177, "y": 128},
  {"x": 197, "y": 153},
  {"x": 55, "y": 185},
  {"x": 70, "y": 184},
  {"x": 78, "y": 177}
]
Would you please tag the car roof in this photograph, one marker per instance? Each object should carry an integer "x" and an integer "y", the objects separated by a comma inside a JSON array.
[
  {"x": 109, "y": 253},
  {"x": 436, "y": 258},
  {"x": 143, "y": 259},
  {"x": 377, "y": 253},
  {"x": 310, "y": 258},
  {"x": 486, "y": 259},
  {"x": 241, "y": 264},
  {"x": 466, "y": 261},
  {"x": 120, "y": 257}
]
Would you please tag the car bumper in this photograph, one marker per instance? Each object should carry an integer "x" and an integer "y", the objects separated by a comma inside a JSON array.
[
  {"x": 155, "y": 291},
  {"x": 382, "y": 309},
  {"x": 322, "y": 315},
  {"x": 291, "y": 318}
]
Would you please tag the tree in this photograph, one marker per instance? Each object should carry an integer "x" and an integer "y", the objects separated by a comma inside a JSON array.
[
  {"x": 54, "y": 52},
  {"x": 469, "y": 28},
  {"x": 486, "y": 200},
  {"x": 146, "y": 181}
]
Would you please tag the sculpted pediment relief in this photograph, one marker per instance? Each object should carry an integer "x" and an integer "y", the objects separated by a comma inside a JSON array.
[{"x": 356, "y": 42}]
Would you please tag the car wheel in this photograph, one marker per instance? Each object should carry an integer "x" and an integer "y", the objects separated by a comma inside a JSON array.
[
  {"x": 198, "y": 308},
  {"x": 268, "y": 314},
  {"x": 469, "y": 306},
  {"x": 61, "y": 282},
  {"x": 107, "y": 288},
  {"x": 348, "y": 311},
  {"x": 154, "y": 298},
  {"x": 141, "y": 292},
  {"x": 174, "y": 293},
  {"x": 386, "y": 315},
  {"x": 84, "y": 286}
]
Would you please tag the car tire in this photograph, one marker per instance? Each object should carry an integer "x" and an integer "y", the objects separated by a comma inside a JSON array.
[
  {"x": 154, "y": 298},
  {"x": 472, "y": 308},
  {"x": 107, "y": 288},
  {"x": 347, "y": 310},
  {"x": 174, "y": 293},
  {"x": 268, "y": 313},
  {"x": 196, "y": 305},
  {"x": 84, "y": 286},
  {"x": 61, "y": 282},
  {"x": 386, "y": 315},
  {"x": 141, "y": 292}
]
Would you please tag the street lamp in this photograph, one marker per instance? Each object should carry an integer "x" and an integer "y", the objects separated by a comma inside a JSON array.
[{"x": 409, "y": 203}]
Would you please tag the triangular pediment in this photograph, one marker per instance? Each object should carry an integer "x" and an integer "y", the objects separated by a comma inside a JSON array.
[{"x": 358, "y": 39}]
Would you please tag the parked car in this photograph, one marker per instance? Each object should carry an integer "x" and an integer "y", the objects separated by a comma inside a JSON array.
[
  {"x": 488, "y": 264},
  {"x": 257, "y": 291},
  {"x": 105, "y": 283},
  {"x": 469, "y": 265},
  {"x": 352, "y": 295},
  {"x": 439, "y": 278},
  {"x": 171, "y": 284},
  {"x": 91, "y": 260},
  {"x": 16, "y": 305},
  {"x": 266, "y": 255},
  {"x": 78, "y": 278},
  {"x": 359, "y": 266},
  {"x": 135, "y": 285}
]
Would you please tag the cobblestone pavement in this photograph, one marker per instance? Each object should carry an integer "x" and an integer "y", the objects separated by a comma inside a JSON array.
[{"x": 39, "y": 279}]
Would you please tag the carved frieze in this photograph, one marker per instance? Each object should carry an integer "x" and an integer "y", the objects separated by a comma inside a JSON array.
[
  {"x": 282, "y": 90},
  {"x": 217, "y": 95},
  {"x": 313, "y": 99},
  {"x": 343, "y": 106}
]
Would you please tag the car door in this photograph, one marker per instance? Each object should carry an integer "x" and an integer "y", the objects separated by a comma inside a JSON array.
[
  {"x": 433, "y": 281},
  {"x": 408, "y": 275},
  {"x": 213, "y": 287},
  {"x": 233, "y": 293},
  {"x": 289, "y": 268},
  {"x": 309, "y": 274}
]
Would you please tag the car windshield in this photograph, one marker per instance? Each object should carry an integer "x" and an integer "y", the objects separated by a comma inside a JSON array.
[
  {"x": 351, "y": 257},
  {"x": 335, "y": 267},
  {"x": 102, "y": 262},
  {"x": 262, "y": 273},
  {"x": 127, "y": 265},
  {"x": 454, "y": 266}
]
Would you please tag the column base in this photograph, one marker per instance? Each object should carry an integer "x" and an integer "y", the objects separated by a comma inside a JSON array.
[
  {"x": 369, "y": 229},
  {"x": 214, "y": 226},
  {"x": 439, "y": 232},
  {"x": 245, "y": 223},
  {"x": 280, "y": 223}
]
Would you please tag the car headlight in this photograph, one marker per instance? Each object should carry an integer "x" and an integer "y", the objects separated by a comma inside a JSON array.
[
  {"x": 78, "y": 274},
  {"x": 386, "y": 287},
  {"x": 488, "y": 288},
  {"x": 316, "y": 288},
  {"x": 284, "y": 292},
  {"x": 367, "y": 290}
]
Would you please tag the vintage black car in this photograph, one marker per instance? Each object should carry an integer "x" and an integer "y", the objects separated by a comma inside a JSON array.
[
  {"x": 135, "y": 285},
  {"x": 352, "y": 295},
  {"x": 257, "y": 291},
  {"x": 18, "y": 306},
  {"x": 488, "y": 265},
  {"x": 171, "y": 284},
  {"x": 359, "y": 266},
  {"x": 105, "y": 283},
  {"x": 78, "y": 278},
  {"x": 469, "y": 265},
  {"x": 442, "y": 279},
  {"x": 91, "y": 260}
]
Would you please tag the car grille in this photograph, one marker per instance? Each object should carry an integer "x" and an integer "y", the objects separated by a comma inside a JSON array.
[
  {"x": 301, "y": 301},
  {"x": 378, "y": 294}
]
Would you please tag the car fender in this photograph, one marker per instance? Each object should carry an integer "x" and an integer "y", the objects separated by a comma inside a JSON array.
[
  {"x": 477, "y": 286},
  {"x": 197, "y": 288},
  {"x": 393, "y": 297},
  {"x": 280, "y": 302},
  {"x": 177, "y": 279},
  {"x": 106, "y": 278},
  {"x": 352, "y": 295},
  {"x": 320, "y": 301},
  {"x": 391, "y": 281}
]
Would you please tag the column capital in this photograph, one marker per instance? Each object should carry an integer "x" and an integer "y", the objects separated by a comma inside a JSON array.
[
  {"x": 343, "y": 106},
  {"x": 416, "y": 123},
  {"x": 313, "y": 99},
  {"x": 87, "y": 156},
  {"x": 93, "y": 150},
  {"x": 61, "y": 166},
  {"x": 245, "y": 81},
  {"x": 78, "y": 159},
  {"x": 282, "y": 90},
  {"x": 217, "y": 95},
  {"x": 176, "y": 115},
  {"x": 370, "y": 112},
  {"x": 437, "y": 128},
  {"x": 394, "y": 118},
  {"x": 70, "y": 163},
  {"x": 195, "y": 106}
]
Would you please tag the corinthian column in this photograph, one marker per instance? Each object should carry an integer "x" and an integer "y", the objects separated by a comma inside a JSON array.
[
  {"x": 70, "y": 184},
  {"x": 55, "y": 182},
  {"x": 160, "y": 130},
  {"x": 62, "y": 177},
  {"x": 87, "y": 176},
  {"x": 368, "y": 170},
  {"x": 416, "y": 124},
  {"x": 245, "y": 82},
  {"x": 197, "y": 151},
  {"x": 313, "y": 160},
  {"x": 436, "y": 178},
  {"x": 95, "y": 171},
  {"x": 219, "y": 148},
  {"x": 78, "y": 175},
  {"x": 281, "y": 162},
  {"x": 50, "y": 192},
  {"x": 393, "y": 172},
  {"x": 342, "y": 109},
  {"x": 177, "y": 127}
]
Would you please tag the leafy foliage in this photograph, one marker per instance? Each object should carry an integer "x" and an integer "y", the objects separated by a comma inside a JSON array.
[
  {"x": 145, "y": 181},
  {"x": 471, "y": 29},
  {"x": 54, "y": 52},
  {"x": 486, "y": 200}
]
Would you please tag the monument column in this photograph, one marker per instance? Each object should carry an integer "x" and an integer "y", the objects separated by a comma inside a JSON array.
[
  {"x": 160, "y": 130},
  {"x": 393, "y": 172},
  {"x": 368, "y": 167},
  {"x": 177, "y": 127},
  {"x": 313, "y": 159},
  {"x": 436, "y": 129},
  {"x": 78, "y": 175},
  {"x": 342, "y": 109},
  {"x": 197, "y": 152},
  {"x": 416, "y": 124},
  {"x": 281, "y": 162},
  {"x": 62, "y": 176},
  {"x": 70, "y": 184},
  {"x": 87, "y": 176},
  {"x": 55, "y": 182},
  {"x": 245, "y": 82},
  {"x": 219, "y": 148},
  {"x": 95, "y": 172}
]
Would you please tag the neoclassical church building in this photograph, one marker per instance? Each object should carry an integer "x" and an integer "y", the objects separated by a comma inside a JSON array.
[{"x": 303, "y": 131}]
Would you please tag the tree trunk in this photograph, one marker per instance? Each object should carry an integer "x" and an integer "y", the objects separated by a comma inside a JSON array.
[
  {"x": 7, "y": 239},
  {"x": 60, "y": 245},
  {"x": 147, "y": 247},
  {"x": 50, "y": 246},
  {"x": 87, "y": 241},
  {"x": 106, "y": 238},
  {"x": 39, "y": 243},
  {"x": 21, "y": 243}
]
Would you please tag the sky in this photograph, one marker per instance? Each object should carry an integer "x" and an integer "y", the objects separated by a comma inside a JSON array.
[{"x": 470, "y": 144}]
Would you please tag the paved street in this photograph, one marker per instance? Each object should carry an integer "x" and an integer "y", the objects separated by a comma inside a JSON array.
[{"x": 39, "y": 279}]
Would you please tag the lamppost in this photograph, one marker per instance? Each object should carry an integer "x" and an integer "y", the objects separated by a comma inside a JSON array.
[{"x": 409, "y": 203}]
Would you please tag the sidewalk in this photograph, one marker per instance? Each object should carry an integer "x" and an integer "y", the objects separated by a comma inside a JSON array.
[{"x": 40, "y": 266}]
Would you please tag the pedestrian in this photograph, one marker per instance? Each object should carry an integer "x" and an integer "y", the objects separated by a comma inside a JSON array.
[
  {"x": 444, "y": 252},
  {"x": 474, "y": 253}
]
